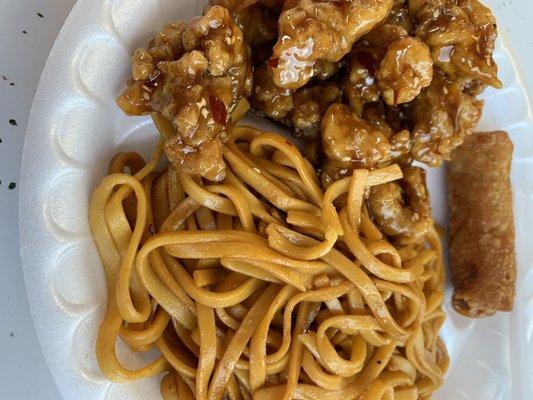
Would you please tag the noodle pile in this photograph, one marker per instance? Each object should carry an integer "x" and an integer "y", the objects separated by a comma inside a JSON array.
[{"x": 264, "y": 286}]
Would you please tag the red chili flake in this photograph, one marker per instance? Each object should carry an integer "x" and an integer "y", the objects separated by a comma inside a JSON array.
[
  {"x": 218, "y": 109},
  {"x": 273, "y": 62},
  {"x": 288, "y": 142},
  {"x": 367, "y": 61}
]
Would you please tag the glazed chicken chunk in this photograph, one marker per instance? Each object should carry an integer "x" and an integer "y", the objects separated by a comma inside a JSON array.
[
  {"x": 442, "y": 116},
  {"x": 259, "y": 26},
  {"x": 269, "y": 99},
  {"x": 360, "y": 86},
  {"x": 397, "y": 25},
  {"x": 401, "y": 209},
  {"x": 392, "y": 121},
  {"x": 302, "y": 109},
  {"x": 405, "y": 70},
  {"x": 350, "y": 142},
  {"x": 194, "y": 75},
  {"x": 313, "y": 30},
  {"x": 461, "y": 35},
  {"x": 310, "y": 105}
]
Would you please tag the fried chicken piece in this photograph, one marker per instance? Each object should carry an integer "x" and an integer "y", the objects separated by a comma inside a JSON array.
[
  {"x": 359, "y": 82},
  {"x": 401, "y": 208},
  {"x": 310, "y": 104},
  {"x": 397, "y": 25},
  {"x": 302, "y": 110},
  {"x": 269, "y": 99},
  {"x": 461, "y": 35},
  {"x": 312, "y": 30},
  {"x": 405, "y": 70},
  {"x": 350, "y": 142},
  {"x": 388, "y": 118},
  {"x": 400, "y": 16},
  {"x": 392, "y": 121},
  {"x": 442, "y": 116},
  {"x": 194, "y": 75},
  {"x": 326, "y": 69},
  {"x": 259, "y": 25}
]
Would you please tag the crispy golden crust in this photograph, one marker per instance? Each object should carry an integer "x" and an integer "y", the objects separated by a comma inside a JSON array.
[{"x": 481, "y": 225}]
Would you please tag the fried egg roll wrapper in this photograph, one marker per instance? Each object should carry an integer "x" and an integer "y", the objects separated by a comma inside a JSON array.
[{"x": 482, "y": 237}]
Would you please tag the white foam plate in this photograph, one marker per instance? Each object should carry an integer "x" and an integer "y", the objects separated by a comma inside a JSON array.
[{"x": 75, "y": 128}]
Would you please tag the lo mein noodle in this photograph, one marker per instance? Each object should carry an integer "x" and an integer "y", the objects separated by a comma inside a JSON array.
[{"x": 264, "y": 286}]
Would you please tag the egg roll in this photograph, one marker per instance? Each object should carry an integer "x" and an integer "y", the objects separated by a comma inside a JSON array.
[{"x": 482, "y": 234}]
